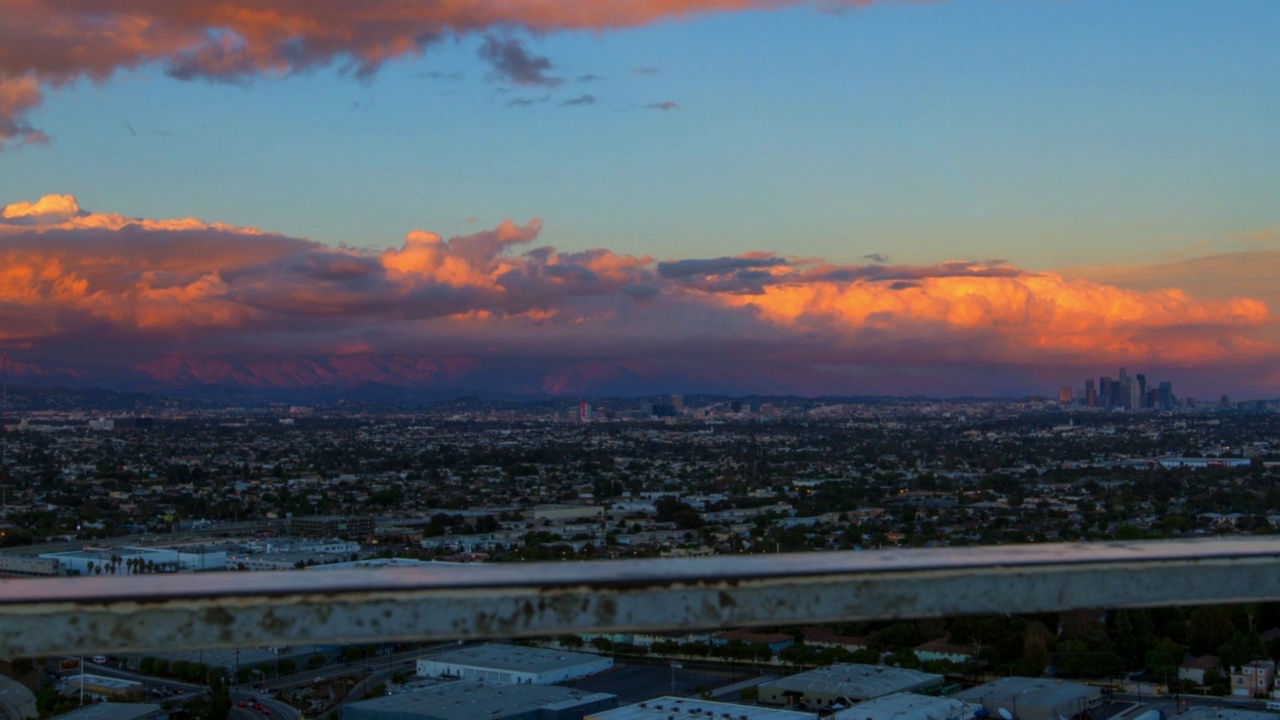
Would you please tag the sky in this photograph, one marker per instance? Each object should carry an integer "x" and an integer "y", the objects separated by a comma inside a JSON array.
[{"x": 546, "y": 197}]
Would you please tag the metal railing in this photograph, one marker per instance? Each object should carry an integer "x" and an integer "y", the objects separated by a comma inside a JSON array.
[{"x": 236, "y": 609}]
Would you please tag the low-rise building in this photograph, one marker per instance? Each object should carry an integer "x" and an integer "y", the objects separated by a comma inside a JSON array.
[
  {"x": 1021, "y": 698},
  {"x": 844, "y": 685},
  {"x": 513, "y": 664},
  {"x": 664, "y": 708},
  {"x": 1253, "y": 679},
  {"x": 103, "y": 688},
  {"x": 910, "y": 706},
  {"x": 1194, "y": 669},
  {"x": 475, "y": 700}
]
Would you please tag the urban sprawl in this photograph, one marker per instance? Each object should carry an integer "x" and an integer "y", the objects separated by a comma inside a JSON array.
[{"x": 108, "y": 484}]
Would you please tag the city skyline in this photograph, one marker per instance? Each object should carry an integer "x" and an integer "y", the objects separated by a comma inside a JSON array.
[{"x": 951, "y": 198}]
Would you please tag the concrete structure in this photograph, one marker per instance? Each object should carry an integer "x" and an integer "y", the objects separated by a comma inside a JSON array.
[
  {"x": 33, "y": 566},
  {"x": 116, "y": 711},
  {"x": 1034, "y": 698},
  {"x": 843, "y": 685},
  {"x": 103, "y": 688},
  {"x": 473, "y": 700},
  {"x": 910, "y": 706},
  {"x": 663, "y": 708},
  {"x": 514, "y": 664},
  {"x": 1253, "y": 679}
]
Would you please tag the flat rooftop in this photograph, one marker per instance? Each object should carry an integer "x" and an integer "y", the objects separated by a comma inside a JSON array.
[
  {"x": 471, "y": 699},
  {"x": 661, "y": 708},
  {"x": 514, "y": 658},
  {"x": 1039, "y": 691},
  {"x": 908, "y": 705},
  {"x": 855, "y": 681}
]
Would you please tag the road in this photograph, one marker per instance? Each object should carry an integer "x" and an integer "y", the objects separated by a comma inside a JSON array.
[{"x": 279, "y": 710}]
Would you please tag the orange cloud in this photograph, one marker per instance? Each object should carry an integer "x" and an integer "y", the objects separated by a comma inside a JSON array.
[
  {"x": 87, "y": 288},
  {"x": 54, "y": 43},
  {"x": 1033, "y": 315}
]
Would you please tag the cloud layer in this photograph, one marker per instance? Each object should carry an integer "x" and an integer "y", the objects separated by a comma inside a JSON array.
[
  {"x": 52, "y": 43},
  {"x": 82, "y": 291}
]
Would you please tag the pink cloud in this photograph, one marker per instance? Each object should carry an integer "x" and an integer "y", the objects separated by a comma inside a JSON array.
[
  {"x": 52, "y": 43},
  {"x": 88, "y": 288}
]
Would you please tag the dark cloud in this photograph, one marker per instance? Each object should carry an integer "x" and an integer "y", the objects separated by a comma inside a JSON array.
[
  {"x": 876, "y": 257},
  {"x": 664, "y": 105},
  {"x": 646, "y": 71},
  {"x": 580, "y": 100},
  {"x": 714, "y": 266},
  {"x": 527, "y": 101},
  {"x": 589, "y": 77},
  {"x": 512, "y": 63}
]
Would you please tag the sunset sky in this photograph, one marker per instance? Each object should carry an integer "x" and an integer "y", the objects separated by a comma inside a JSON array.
[{"x": 540, "y": 197}]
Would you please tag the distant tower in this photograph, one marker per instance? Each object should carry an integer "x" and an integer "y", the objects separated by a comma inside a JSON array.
[
  {"x": 1090, "y": 393},
  {"x": 585, "y": 412},
  {"x": 677, "y": 402},
  {"x": 1064, "y": 395}
]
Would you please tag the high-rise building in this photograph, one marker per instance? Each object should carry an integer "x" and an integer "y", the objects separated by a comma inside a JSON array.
[
  {"x": 1064, "y": 395},
  {"x": 585, "y": 412},
  {"x": 1106, "y": 393},
  {"x": 1166, "y": 396},
  {"x": 677, "y": 402},
  {"x": 1090, "y": 393}
]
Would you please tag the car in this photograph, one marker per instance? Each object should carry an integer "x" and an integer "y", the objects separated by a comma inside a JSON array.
[
  {"x": 266, "y": 711},
  {"x": 99, "y": 659},
  {"x": 257, "y": 706},
  {"x": 242, "y": 703}
]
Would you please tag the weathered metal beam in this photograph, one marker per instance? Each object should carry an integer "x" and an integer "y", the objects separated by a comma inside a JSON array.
[{"x": 238, "y": 609}]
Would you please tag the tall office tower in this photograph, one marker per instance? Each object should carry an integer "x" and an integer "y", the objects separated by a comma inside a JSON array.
[
  {"x": 677, "y": 402},
  {"x": 585, "y": 412},
  {"x": 1090, "y": 393},
  {"x": 1124, "y": 397},
  {"x": 1142, "y": 391},
  {"x": 1064, "y": 395},
  {"x": 1105, "y": 392},
  {"x": 1166, "y": 396}
]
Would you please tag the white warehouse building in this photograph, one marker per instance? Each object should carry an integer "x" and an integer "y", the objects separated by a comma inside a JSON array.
[{"x": 513, "y": 664}]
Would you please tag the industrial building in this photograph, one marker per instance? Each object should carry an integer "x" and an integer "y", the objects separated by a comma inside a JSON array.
[
  {"x": 910, "y": 706},
  {"x": 1033, "y": 698},
  {"x": 103, "y": 688},
  {"x": 513, "y": 664},
  {"x": 116, "y": 711},
  {"x": 844, "y": 685},
  {"x": 472, "y": 700},
  {"x": 664, "y": 708}
]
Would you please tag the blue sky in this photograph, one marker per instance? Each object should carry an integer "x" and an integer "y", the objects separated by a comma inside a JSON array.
[{"x": 1045, "y": 133}]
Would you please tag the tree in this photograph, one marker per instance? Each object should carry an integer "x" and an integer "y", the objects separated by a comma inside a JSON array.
[
  {"x": 569, "y": 641},
  {"x": 603, "y": 644},
  {"x": 1210, "y": 629},
  {"x": 1164, "y": 658}
]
